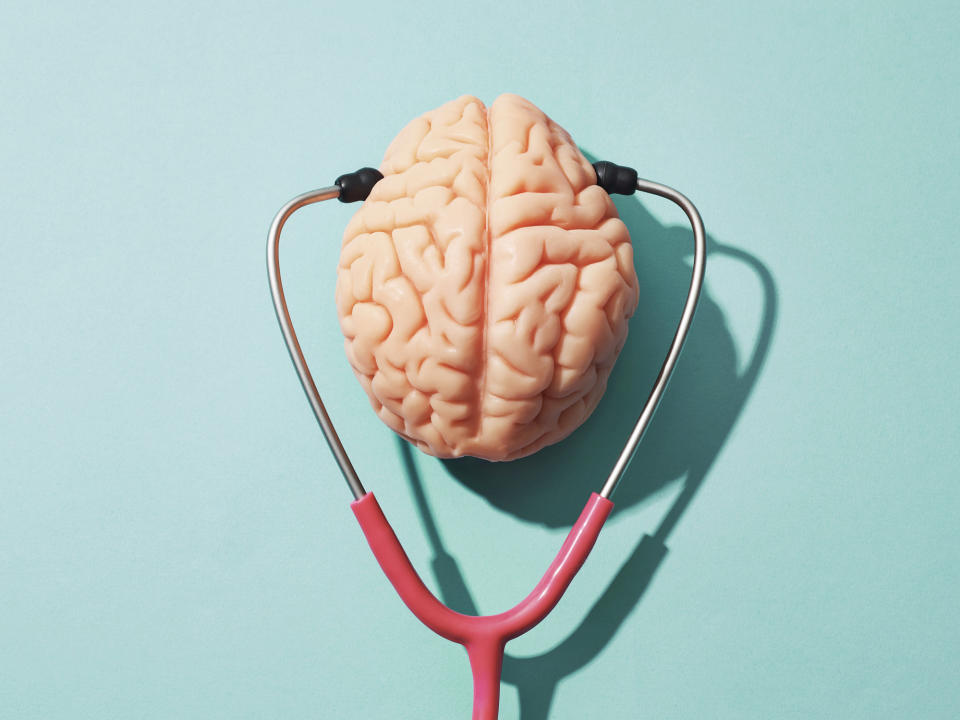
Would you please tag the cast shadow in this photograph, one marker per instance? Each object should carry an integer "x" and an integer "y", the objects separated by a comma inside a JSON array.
[
  {"x": 704, "y": 396},
  {"x": 700, "y": 407}
]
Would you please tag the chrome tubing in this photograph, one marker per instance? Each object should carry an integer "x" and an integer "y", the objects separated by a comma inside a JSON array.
[
  {"x": 686, "y": 318},
  {"x": 290, "y": 336}
]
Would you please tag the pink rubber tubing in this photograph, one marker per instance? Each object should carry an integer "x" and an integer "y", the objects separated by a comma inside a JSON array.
[{"x": 484, "y": 637}]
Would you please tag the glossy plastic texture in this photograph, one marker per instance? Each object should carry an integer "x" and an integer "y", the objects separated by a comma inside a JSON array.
[
  {"x": 485, "y": 285},
  {"x": 484, "y": 637}
]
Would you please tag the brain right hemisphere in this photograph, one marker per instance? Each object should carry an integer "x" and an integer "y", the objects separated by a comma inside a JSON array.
[{"x": 485, "y": 285}]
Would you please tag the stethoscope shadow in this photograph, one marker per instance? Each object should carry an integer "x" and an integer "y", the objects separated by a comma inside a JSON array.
[{"x": 698, "y": 412}]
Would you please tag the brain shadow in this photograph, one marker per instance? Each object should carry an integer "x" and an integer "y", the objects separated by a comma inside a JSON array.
[
  {"x": 686, "y": 432},
  {"x": 706, "y": 395}
]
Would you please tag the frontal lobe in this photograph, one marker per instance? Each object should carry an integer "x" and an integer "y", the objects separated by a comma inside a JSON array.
[{"x": 484, "y": 287}]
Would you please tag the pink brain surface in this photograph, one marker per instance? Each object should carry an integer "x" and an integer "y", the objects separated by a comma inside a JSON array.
[{"x": 485, "y": 285}]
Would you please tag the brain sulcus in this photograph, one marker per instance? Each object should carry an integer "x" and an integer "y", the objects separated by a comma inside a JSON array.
[{"x": 485, "y": 285}]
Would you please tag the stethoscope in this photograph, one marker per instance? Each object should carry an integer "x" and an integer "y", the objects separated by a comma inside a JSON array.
[{"x": 484, "y": 637}]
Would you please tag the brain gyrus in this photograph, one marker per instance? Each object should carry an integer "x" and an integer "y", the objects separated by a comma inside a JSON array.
[{"x": 485, "y": 285}]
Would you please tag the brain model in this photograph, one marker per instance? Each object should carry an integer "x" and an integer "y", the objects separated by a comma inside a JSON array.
[{"x": 485, "y": 285}]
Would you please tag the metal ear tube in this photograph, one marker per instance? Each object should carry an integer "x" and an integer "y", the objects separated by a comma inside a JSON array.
[{"x": 484, "y": 637}]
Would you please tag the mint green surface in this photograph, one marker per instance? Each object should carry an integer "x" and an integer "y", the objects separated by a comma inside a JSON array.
[{"x": 175, "y": 541}]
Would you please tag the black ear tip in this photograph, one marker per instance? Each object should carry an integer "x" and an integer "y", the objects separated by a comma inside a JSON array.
[
  {"x": 614, "y": 178},
  {"x": 357, "y": 185}
]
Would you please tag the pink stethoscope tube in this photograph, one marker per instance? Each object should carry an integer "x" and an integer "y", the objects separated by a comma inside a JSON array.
[{"x": 485, "y": 636}]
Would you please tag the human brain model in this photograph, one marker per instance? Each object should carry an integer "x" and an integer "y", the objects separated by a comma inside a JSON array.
[{"x": 485, "y": 285}]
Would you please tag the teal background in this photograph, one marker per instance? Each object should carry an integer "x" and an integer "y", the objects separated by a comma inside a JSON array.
[{"x": 175, "y": 540}]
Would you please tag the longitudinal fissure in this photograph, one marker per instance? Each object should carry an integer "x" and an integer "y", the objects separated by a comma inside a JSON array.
[{"x": 487, "y": 242}]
